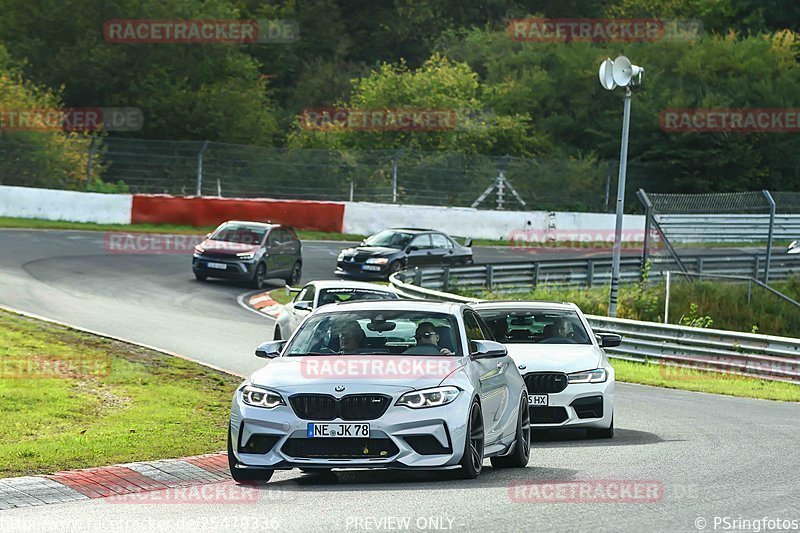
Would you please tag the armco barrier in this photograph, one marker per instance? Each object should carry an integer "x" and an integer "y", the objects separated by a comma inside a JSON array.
[
  {"x": 762, "y": 356},
  {"x": 206, "y": 211}
]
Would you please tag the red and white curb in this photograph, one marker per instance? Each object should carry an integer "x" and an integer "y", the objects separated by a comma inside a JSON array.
[
  {"x": 264, "y": 303},
  {"x": 117, "y": 481}
]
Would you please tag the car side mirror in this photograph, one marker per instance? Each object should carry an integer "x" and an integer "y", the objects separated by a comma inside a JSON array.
[
  {"x": 270, "y": 349},
  {"x": 485, "y": 349},
  {"x": 609, "y": 340},
  {"x": 208, "y": 235},
  {"x": 304, "y": 305},
  {"x": 290, "y": 290},
  {"x": 468, "y": 243}
]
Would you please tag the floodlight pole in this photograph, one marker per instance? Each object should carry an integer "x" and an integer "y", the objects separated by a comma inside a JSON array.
[{"x": 623, "y": 164}]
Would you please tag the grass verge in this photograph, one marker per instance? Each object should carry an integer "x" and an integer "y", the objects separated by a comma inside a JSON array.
[
  {"x": 700, "y": 381},
  {"x": 33, "y": 223},
  {"x": 73, "y": 400}
]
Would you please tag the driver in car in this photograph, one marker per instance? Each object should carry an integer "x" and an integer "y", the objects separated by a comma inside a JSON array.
[
  {"x": 426, "y": 335},
  {"x": 350, "y": 338}
]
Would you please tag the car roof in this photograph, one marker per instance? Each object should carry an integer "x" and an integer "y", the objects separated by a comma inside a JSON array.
[
  {"x": 346, "y": 284},
  {"x": 413, "y": 230},
  {"x": 525, "y": 304},
  {"x": 265, "y": 225},
  {"x": 401, "y": 305}
]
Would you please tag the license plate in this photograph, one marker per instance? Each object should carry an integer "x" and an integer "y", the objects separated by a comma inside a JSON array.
[
  {"x": 372, "y": 268},
  {"x": 337, "y": 430},
  {"x": 218, "y": 266},
  {"x": 538, "y": 400}
]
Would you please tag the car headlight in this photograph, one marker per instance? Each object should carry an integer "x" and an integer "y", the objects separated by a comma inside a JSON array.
[
  {"x": 376, "y": 261},
  {"x": 588, "y": 376},
  {"x": 429, "y": 397},
  {"x": 246, "y": 255},
  {"x": 199, "y": 249},
  {"x": 258, "y": 397},
  {"x": 340, "y": 257}
]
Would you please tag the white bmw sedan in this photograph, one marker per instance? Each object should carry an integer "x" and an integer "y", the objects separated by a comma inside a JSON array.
[
  {"x": 403, "y": 384},
  {"x": 569, "y": 378},
  {"x": 323, "y": 292}
]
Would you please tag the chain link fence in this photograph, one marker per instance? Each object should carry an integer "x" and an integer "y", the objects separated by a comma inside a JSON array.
[{"x": 391, "y": 176}]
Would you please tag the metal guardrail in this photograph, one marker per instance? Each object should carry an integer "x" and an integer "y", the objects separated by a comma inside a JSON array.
[
  {"x": 674, "y": 347},
  {"x": 728, "y": 228},
  {"x": 589, "y": 272}
]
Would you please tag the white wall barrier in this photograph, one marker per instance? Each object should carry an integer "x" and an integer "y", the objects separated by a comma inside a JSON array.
[
  {"x": 366, "y": 218},
  {"x": 73, "y": 206}
]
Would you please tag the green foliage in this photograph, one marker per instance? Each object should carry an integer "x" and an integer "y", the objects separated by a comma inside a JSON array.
[
  {"x": 695, "y": 319},
  {"x": 37, "y": 158}
]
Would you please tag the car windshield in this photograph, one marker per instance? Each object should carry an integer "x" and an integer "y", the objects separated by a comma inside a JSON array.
[
  {"x": 239, "y": 234},
  {"x": 376, "y": 332},
  {"x": 536, "y": 326},
  {"x": 350, "y": 294},
  {"x": 389, "y": 239}
]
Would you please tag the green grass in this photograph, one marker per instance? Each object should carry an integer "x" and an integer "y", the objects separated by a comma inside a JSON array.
[
  {"x": 280, "y": 296},
  {"x": 32, "y": 223},
  {"x": 700, "y": 381},
  {"x": 107, "y": 402}
]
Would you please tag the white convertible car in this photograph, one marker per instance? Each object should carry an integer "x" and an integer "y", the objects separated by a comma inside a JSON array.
[
  {"x": 568, "y": 375},
  {"x": 318, "y": 293}
]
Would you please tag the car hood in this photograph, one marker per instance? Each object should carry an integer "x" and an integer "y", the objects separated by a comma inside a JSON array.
[
  {"x": 555, "y": 357},
  {"x": 371, "y": 251},
  {"x": 355, "y": 373},
  {"x": 229, "y": 248}
]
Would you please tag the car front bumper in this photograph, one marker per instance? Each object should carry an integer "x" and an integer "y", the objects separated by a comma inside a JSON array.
[
  {"x": 284, "y": 441},
  {"x": 234, "y": 268},
  {"x": 577, "y": 406},
  {"x": 356, "y": 270}
]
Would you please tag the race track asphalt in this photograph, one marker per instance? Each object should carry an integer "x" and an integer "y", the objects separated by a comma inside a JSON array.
[{"x": 701, "y": 456}]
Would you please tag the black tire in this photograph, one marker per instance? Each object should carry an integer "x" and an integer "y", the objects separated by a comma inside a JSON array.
[
  {"x": 242, "y": 475},
  {"x": 200, "y": 277},
  {"x": 297, "y": 273},
  {"x": 602, "y": 433},
  {"x": 277, "y": 335},
  {"x": 467, "y": 260},
  {"x": 259, "y": 276},
  {"x": 395, "y": 267},
  {"x": 472, "y": 460},
  {"x": 522, "y": 444}
]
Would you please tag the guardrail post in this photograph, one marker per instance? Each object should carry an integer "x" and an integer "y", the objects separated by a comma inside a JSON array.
[
  {"x": 772, "y": 208},
  {"x": 418, "y": 278},
  {"x": 446, "y": 279},
  {"x": 756, "y": 266},
  {"x": 535, "y": 275},
  {"x": 489, "y": 277},
  {"x": 589, "y": 272},
  {"x": 699, "y": 265}
]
